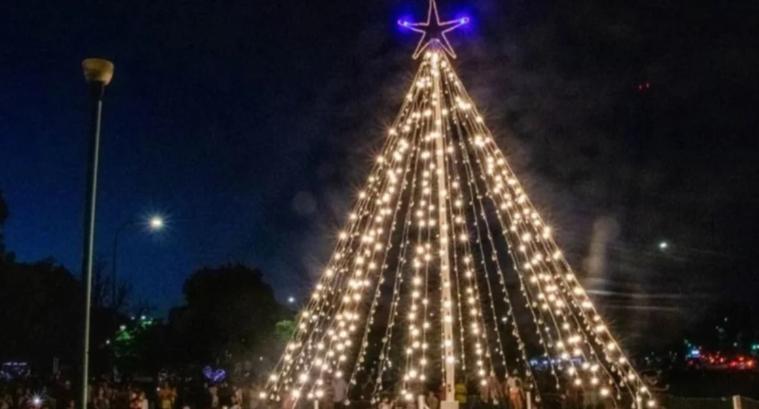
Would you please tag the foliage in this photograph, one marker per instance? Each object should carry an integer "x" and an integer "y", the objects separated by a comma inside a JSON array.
[
  {"x": 284, "y": 330},
  {"x": 39, "y": 303},
  {"x": 230, "y": 314},
  {"x": 137, "y": 347},
  {"x": 41, "y": 310}
]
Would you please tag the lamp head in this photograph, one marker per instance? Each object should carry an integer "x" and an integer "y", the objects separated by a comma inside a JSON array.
[{"x": 97, "y": 70}]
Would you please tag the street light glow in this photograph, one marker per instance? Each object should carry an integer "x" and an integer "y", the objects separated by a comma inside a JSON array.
[
  {"x": 663, "y": 245},
  {"x": 156, "y": 223}
]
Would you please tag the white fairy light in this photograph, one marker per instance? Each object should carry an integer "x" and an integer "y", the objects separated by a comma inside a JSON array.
[{"x": 425, "y": 203}]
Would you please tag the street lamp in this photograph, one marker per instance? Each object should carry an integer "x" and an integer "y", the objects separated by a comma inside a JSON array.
[
  {"x": 98, "y": 74},
  {"x": 154, "y": 223}
]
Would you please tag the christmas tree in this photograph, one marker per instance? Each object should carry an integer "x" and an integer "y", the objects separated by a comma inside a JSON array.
[{"x": 446, "y": 275}]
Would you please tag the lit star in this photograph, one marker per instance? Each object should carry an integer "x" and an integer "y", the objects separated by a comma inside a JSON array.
[{"x": 434, "y": 31}]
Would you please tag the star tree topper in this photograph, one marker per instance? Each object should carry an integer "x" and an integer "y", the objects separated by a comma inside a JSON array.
[{"x": 433, "y": 30}]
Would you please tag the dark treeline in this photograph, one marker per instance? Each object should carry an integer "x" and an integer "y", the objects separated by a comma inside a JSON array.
[{"x": 229, "y": 316}]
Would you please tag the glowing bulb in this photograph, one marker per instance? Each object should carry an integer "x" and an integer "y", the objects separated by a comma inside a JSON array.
[{"x": 156, "y": 223}]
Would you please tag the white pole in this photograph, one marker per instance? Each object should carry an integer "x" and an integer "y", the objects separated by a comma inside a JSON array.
[
  {"x": 737, "y": 404},
  {"x": 529, "y": 399},
  {"x": 443, "y": 239}
]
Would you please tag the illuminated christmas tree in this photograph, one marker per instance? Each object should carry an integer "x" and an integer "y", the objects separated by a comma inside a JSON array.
[{"x": 446, "y": 274}]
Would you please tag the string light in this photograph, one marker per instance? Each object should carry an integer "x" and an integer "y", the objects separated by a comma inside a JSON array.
[{"x": 423, "y": 246}]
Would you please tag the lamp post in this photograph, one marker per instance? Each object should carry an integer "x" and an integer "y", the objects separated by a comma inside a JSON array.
[
  {"x": 154, "y": 223},
  {"x": 98, "y": 74}
]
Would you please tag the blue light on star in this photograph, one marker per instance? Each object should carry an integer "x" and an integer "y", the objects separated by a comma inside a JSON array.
[{"x": 433, "y": 30}]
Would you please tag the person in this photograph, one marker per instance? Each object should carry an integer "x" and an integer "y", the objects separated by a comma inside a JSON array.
[
  {"x": 213, "y": 391},
  {"x": 134, "y": 400},
  {"x": 495, "y": 393},
  {"x": 235, "y": 403},
  {"x": 166, "y": 396},
  {"x": 237, "y": 394},
  {"x": 460, "y": 394},
  {"x": 657, "y": 385},
  {"x": 385, "y": 403},
  {"x": 225, "y": 394},
  {"x": 326, "y": 402},
  {"x": 515, "y": 392},
  {"x": 340, "y": 392},
  {"x": 488, "y": 395},
  {"x": 101, "y": 400},
  {"x": 575, "y": 398},
  {"x": 6, "y": 401},
  {"x": 143, "y": 400},
  {"x": 473, "y": 394},
  {"x": 410, "y": 402},
  {"x": 432, "y": 401},
  {"x": 287, "y": 401},
  {"x": 65, "y": 394}
]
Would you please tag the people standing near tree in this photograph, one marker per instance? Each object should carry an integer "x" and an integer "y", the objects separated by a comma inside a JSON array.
[
  {"x": 339, "y": 392},
  {"x": 235, "y": 403},
  {"x": 213, "y": 391},
  {"x": 574, "y": 397},
  {"x": 326, "y": 402},
  {"x": 225, "y": 394},
  {"x": 166, "y": 396},
  {"x": 249, "y": 400},
  {"x": 98, "y": 398},
  {"x": 6, "y": 401},
  {"x": 432, "y": 401},
  {"x": 515, "y": 391},
  {"x": 287, "y": 400},
  {"x": 385, "y": 403},
  {"x": 487, "y": 388},
  {"x": 134, "y": 400},
  {"x": 237, "y": 393},
  {"x": 119, "y": 396},
  {"x": 143, "y": 400},
  {"x": 460, "y": 394},
  {"x": 473, "y": 394},
  {"x": 410, "y": 403}
]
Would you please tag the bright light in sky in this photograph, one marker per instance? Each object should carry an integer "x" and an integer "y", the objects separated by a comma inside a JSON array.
[
  {"x": 291, "y": 299},
  {"x": 156, "y": 222},
  {"x": 663, "y": 245}
]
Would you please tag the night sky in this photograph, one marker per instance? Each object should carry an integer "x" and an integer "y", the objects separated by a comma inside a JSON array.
[{"x": 250, "y": 125}]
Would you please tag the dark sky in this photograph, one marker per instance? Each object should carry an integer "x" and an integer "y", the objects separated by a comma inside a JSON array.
[{"x": 249, "y": 124}]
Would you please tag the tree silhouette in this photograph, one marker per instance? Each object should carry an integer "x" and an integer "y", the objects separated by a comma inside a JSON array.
[{"x": 230, "y": 313}]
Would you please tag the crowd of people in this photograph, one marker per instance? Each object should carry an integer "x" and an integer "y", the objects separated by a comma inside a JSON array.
[
  {"x": 105, "y": 394},
  {"x": 492, "y": 394},
  {"x": 32, "y": 394},
  {"x": 508, "y": 393}
]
